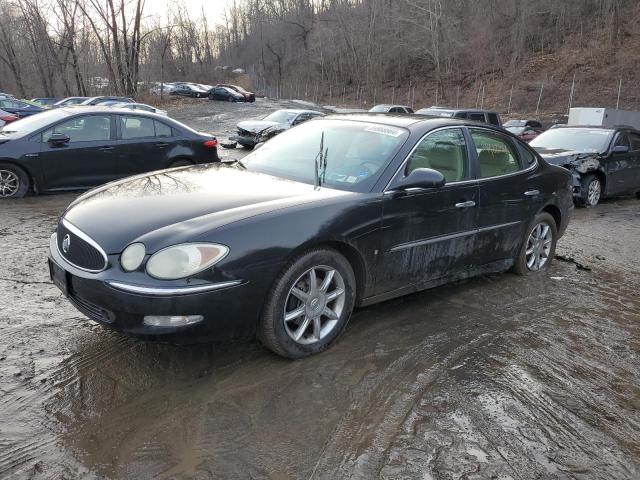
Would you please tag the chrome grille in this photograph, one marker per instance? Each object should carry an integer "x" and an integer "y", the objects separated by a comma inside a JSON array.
[{"x": 79, "y": 249}]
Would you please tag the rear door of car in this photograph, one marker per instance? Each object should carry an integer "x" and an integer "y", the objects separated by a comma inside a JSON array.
[
  {"x": 510, "y": 194},
  {"x": 144, "y": 145},
  {"x": 88, "y": 159},
  {"x": 634, "y": 137},
  {"x": 429, "y": 234}
]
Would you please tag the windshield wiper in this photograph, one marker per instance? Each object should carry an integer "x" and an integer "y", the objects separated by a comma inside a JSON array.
[{"x": 320, "y": 162}]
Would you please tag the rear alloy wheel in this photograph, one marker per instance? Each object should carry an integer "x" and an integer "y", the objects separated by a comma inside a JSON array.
[
  {"x": 14, "y": 182},
  {"x": 591, "y": 190},
  {"x": 309, "y": 305},
  {"x": 539, "y": 246}
]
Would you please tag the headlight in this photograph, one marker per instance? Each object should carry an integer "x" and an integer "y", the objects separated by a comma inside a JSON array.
[
  {"x": 132, "y": 257},
  {"x": 184, "y": 260}
]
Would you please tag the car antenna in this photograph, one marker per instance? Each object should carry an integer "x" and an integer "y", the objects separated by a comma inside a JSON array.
[{"x": 317, "y": 162}]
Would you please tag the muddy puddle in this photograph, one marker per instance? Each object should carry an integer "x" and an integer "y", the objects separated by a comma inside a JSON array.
[{"x": 497, "y": 377}]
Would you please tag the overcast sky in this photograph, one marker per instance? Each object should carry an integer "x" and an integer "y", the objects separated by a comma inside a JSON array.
[{"x": 214, "y": 8}]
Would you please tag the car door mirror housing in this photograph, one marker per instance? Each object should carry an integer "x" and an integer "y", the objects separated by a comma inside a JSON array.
[
  {"x": 422, "y": 178},
  {"x": 620, "y": 149},
  {"x": 59, "y": 138}
]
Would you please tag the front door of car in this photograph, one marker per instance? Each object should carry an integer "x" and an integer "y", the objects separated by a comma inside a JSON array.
[
  {"x": 509, "y": 194},
  {"x": 635, "y": 150},
  {"x": 428, "y": 234},
  {"x": 144, "y": 144},
  {"x": 86, "y": 160},
  {"x": 619, "y": 166}
]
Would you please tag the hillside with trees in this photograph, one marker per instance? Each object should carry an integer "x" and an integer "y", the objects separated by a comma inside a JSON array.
[{"x": 503, "y": 54}]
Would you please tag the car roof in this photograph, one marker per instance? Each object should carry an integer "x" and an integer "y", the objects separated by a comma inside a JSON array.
[
  {"x": 456, "y": 110},
  {"x": 598, "y": 127},
  {"x": 83, "y": 110},
  {"x": 296, "y": 110}
]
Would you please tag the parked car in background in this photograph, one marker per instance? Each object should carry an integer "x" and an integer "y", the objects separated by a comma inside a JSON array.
[
  {"x": 78, "y": 148},
  {"x": 45, "y": 102},
  {"x": 6, "y": 95},
  {"x": 6, "y": 117},
  {"x": 166, "y": 89},
  {"x": 138, "y": 106},
  {"x": 484, "y": 116},
  {"x": 225, "y": 94},
  {"x": 604, "y": 162},
  {"x": 99, "y": 100},
  {"x": 69, "y": 101},
  {"x": 384, "y": 108},
  {"x": 287, "y": 242},
  {"x": 19, "y": 108},
  {"x": 253, "y": 132},
  {"x": 248, "y": 96},
  {"x": 188, "y": 90},
  {"x": 525, "y": 130}
]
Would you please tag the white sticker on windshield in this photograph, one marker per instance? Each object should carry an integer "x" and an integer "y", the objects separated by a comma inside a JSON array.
[{"x": 385, "y": 130}]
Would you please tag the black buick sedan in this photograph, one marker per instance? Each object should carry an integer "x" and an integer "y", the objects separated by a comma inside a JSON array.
[
  {"x": 77, "y": 148},
  {"x": 332, "y": 214}
]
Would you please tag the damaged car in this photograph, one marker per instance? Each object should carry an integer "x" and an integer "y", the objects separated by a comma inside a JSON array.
[
  {"x": 253, "y": 132},
  {"x": 604, "y": 162},
  {"x": 343, "y": 211}
]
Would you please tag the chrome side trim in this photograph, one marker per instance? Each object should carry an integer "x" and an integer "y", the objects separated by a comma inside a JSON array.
[
  {"x": 442, "y": 238},
  {"x": 160, "y": 291},
  {"x": 79, "y": 233}
]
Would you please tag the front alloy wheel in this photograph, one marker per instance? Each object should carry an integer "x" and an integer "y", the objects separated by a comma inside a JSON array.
[
  {"x": 309, "y": 304},
  {"x": 591, "y": 190},
  {"x": 314, "y": 305}
]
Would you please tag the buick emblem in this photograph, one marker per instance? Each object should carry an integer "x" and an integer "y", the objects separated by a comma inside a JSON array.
[{"x": 66, "y": 243}]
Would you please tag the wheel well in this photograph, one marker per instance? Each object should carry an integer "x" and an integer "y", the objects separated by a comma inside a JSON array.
[
  {"x": 555, "y": 213},
  {"x": 180, "y": 159}
]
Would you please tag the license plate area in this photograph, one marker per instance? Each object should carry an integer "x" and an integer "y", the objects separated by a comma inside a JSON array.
[{"x": 59, "y": 277}]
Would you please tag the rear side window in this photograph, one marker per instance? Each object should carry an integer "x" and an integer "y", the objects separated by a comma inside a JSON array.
[
  {"x": 496, "y": 155},
  {"x": 444, "y": 151},
  {"x": 162, "y": 130},
  {"x": 461, "y": 115},
  {"x": 137, "y": 127},
  {"x": 493, "y": 119},
  {"x": 476, "y": 117}
]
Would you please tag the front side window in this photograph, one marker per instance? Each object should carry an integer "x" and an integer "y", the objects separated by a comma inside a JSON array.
[
  {"x": 635, "y": 141},
  {"x": 493, "y": 119},
  {"x": 137, "y": 127},
  {"x": 496, "y": 155},
  {"x": 444, "y": 151},
  {"x": 88, "y": 128},
  {"x": 476, "y": 117},
  {"x": 623, "y": 141}
]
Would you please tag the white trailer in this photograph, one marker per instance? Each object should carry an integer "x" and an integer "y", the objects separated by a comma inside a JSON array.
[{"x": 603, "y": 117}]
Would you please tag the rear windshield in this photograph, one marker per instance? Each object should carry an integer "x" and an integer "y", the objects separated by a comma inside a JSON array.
[
  {"x": 574, "y": 139},
  {"x": 435, "y": 112},
  {"x": 28, "y": 125}
]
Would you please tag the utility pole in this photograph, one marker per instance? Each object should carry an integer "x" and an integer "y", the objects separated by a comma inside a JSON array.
[
  {"x": 539, "y": 98},
  {"x": 573, "y": 85},
  {"x": 619, "y": 91},
  {"x": 510, "y": 97}
]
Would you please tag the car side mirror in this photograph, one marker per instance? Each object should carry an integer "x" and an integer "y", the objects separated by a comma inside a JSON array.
[
  {"x": 422, "y": 178},
  {"x": 59, "y": 139},
  {"x": 620, "y": 149}
]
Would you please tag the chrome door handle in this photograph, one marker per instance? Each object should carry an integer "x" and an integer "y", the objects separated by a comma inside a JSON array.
[
  {"x": 468, "y": 204},
  {"x": 532, "y": 193},
  {"x": 105, "y": 149}
]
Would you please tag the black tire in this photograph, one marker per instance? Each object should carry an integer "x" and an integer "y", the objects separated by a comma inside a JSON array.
[
  {"x": 14, "y": 181},
  {"x": 272, "y": 331},
  {"x": 183, "y": 162},
  {"x": 231, "y": 99},
  {"x": 588, "y": 182},
  {"x": 521, "y": 266}
]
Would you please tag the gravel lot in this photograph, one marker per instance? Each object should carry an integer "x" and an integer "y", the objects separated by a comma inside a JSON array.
[{"x": 497, "y": 377}]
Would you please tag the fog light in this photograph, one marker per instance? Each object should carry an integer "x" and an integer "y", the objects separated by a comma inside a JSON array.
[{"x": 171, "y": 320}]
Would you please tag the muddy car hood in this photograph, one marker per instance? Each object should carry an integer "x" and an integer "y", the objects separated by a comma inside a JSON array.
[
  {"x": 256, "y": 126},
  {"x": 176, "y": 204}
]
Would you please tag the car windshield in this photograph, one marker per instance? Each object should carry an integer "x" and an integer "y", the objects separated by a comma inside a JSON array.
[
  {"x": 28, "y": 125},
  {"x": 354, "y": 153},
  {"x": 281, "y": 116},
  {"x": 513, "y": 129},
  {"x": 515, "y": 123},
  {"x": 380, "y": 108},
  {"x": 435, "y": 112},
  {"x": 578, "y": 139}
]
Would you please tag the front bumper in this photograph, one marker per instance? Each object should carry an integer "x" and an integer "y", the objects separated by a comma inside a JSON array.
[
  {"x": 247, "y": 140},
  {"x": 229, "y": 309}
]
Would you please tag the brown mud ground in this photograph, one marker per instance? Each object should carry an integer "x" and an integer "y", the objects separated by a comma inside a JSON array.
[{"x": 496, "y": 377}]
